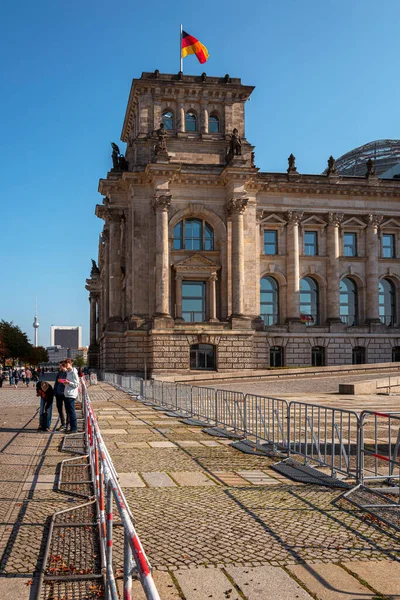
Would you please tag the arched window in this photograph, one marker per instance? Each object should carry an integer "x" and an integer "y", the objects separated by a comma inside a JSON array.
[
  {"x": 202, "y": 357},
  {"x": 387, "y": 302},
  {"x": 168, "y": 120},
  {"x": 213, "y": 124},
  {"x": 309, "y": 301},
  {"x": 358, "y": 355},
  {"x": 396, "y": 354},
  {"x": 276, "y": 356},
  {"x": 269, "y": 301},
  {"x": 190, "y": 122},
  {"x": 317, "y": 356},
  {"x": 348, "y": 302},
  {"x": 193, "y": 234}
]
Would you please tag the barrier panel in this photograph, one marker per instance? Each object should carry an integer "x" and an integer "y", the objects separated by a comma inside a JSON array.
[
  {"x": 325, "y": 435},
  {"x": 169, "y": 396},
  {"x": 267, "y": 420},
  {"x": 203, "y": 404},
  {"x": 229, "y": 410},
  {"x": 379, "y": 446},
  {"x": 184, "y": 399},
  {"x": 108, "y": 492}
]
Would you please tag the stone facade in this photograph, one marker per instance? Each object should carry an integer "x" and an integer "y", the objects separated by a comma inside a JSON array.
[{"x": 324, "y": 230}]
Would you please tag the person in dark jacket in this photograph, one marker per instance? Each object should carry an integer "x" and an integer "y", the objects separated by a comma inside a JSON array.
[
  {"x": 46, "y": 393},
  {"x": 59, "y": 393}
]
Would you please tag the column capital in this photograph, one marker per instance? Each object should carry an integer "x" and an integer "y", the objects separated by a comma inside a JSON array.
[
  {"x": 178, "y": 277},
  {"x": 374, "y": 219},
  {"x": 236, "y": 206},
  {"x": 213, "y": 277},
  {"x": 161, "y": 202},
  {"x": 109, "y": 214},
  {"x": 335, "y": 219},
  {"x": 294, "y": 216}
]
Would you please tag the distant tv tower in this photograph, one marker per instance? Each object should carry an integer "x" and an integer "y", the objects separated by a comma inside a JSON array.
[{"x": 35, "y": 328}]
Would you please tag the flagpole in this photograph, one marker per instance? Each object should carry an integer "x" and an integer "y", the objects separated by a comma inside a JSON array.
[{"x": 180, "y": 51}]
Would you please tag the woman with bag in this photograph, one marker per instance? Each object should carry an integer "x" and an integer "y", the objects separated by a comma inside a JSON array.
[
  {"x": 46, "y": 393},
  {"x": 71, "y": 389}
]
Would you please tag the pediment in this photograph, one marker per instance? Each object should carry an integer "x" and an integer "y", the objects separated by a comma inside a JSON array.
[
  {"x": 314, "y": 220},
  {"x": 196, "y": 262},
  {"x": 273, "y": 219},
  {"x": 354, "y": 222},
  {"x": 390, "y": 223}
]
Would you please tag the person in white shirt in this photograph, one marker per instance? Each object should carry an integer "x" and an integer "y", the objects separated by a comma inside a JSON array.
[{"x": 71, "y": 383}]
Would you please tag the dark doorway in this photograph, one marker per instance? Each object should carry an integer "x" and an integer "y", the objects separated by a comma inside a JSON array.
[
  {"x": 318, "y": 356},
  {"x": 202, "y": 356},
  {"x": 358, "y": 355},
  {"x": 276, "y": 356}
]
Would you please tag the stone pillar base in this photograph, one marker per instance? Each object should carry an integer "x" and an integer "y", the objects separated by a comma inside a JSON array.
[
  {"x": 295, "y": 324},
  {"x": 115, "y": 324},
  {"x": 161, "y": 321},
  {"x": 240, "y": 322},
  {"x": 374, "y": 320}
]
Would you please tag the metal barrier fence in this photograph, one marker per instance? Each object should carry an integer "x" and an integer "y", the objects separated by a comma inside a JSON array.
[
  {"x": 108, "y": 491},
  {"x": 379, "y": 446},
  {"x": 329, "y": 437}
]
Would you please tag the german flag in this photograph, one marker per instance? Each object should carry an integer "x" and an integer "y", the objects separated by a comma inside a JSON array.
[{"x": 191, "y": 45}]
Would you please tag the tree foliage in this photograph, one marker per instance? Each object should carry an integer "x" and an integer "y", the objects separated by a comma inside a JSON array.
[
  {"x": 14, "y": 345},
  {"x": 79, "y": 361}
]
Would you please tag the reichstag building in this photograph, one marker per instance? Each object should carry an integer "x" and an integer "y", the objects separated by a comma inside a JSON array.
[{"x": 205, "y": 262}]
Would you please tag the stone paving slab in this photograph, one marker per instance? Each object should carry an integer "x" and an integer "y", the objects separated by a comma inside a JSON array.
[
  {"x": 266, "y": 583},
  {"x": 158, "y": 479},
  {"x": 162, "y": 445},
  {"x": 191, "y": 479},
  {"x": 201, "y": 583},
  {"x": 331, "y": 582},
  {"x": 130, "y": 480},
  {"x": 106, "y": 431},
  {"x": 383, "y": 576},
  {"x": 188, "y": 443},
  {"x": 132, "y": 445},
  {"x": 258, "y": 478},
  {"x": 229, "y": 478},
  {"x": 12, "y": 588}
]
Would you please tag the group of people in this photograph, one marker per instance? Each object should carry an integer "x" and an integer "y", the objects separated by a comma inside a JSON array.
[
  {"x": 65, "y": 392},
  {"x": 25, "y": 375}
]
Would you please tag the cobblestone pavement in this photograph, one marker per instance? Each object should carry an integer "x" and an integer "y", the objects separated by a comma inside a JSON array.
[
  {"x": 214, "y": 522},
  {"x": 210, "y": 510}
]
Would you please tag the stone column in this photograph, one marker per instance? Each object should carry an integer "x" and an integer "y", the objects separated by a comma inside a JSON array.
[
  {"x": 204, "y": 118},
  {"x": 371, "y": 268},
  {"x": 114, "y": 256},
  {"x": 178, "y": 297},
  {"x": 105, "y": 291},
  {"x": 212, "y": 309},
  {"x": 293, "y": 266},
  {"x": 181, "y": 117},
  {"x": 236, "y": 207},
  {"x": 93, "y": 319},
  {"x": 161, "y": 204},
  {"x": 333, "y": 267}
]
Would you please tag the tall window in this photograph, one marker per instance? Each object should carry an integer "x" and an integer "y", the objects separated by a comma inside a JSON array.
[
  {"x": 396, "y": 354},
  {"x": 317, "y": 356},
  {"x": 350, "y": 244},
  {"x": 213, "y": 124},
  {"x": 276, "y": 356},
  {"x": 194, "y": 301},
  {"x": 270, "y": 241},
  {"x": 387, "y": 302},
  {"x": 269, "y": 301},
  {"x": 202, "y": 356},
  {"x": 310, "y": 243},
  {"x": 358, "y": 355},
  {"x": 348, "y": 302},
  {"x": 190, "y": 122},
  {"x": 193, "y": 234},
  {"x": 168, "y": 120},
  {"x": 388, "y": 247},
  {"x": 309, "y": 301}
]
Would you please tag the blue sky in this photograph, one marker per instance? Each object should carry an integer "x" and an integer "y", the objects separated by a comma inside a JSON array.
[{"x": 326, "y": 81}]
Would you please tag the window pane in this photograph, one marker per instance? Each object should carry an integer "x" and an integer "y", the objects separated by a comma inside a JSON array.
[
  {"x": 168, "y": 120},
  {"x": 350, "y": 244},
  {"x": 213, "y": 124},
  {"x": 310, "y": 243},
  {"x": 309, "y": 301},
  {"x": 208, "y": 237},
  {"x": 191, "y": 122},
  {"x": 178, "y": 236},
  {"x": 193, "y": 301},
  {"x": 388, "y": 245},
  {"x": 270, "y": 242}
]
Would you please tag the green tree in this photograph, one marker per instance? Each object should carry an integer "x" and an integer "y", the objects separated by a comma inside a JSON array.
[
  {"x": 38, "y": 355},
  {"x": 79, "y": 361},
  {"x": 15, "y": 342}
]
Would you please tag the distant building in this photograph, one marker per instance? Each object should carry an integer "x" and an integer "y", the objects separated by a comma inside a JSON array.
[
  {"x": 67, "y": 337},
  {"x": 57, "y": 353}
]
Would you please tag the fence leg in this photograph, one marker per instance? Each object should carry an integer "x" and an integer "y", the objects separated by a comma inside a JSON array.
[
  {"x": 128, "y": 564},
  {"x": 112, "y": 593}
]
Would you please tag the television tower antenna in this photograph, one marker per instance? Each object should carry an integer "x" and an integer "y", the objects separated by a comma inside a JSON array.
[{"x": 35, "y": 327}]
